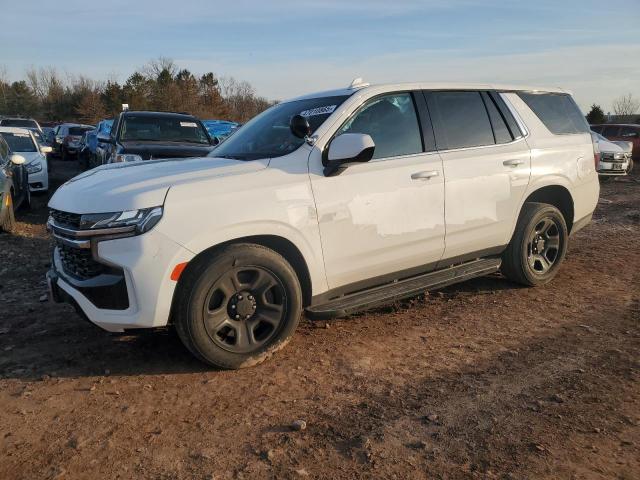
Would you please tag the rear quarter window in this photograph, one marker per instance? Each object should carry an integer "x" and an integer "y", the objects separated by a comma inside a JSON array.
[{"x": 557, "y": 111}]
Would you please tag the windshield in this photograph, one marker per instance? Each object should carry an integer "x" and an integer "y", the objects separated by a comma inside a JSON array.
[
  {"x": 79, "y": 131},
  {"x": 268, "y": 135},
  {"x": 15, "y": 122},
  {"x": 162, "y": 129},
  {"x": 19, "y": 142}
]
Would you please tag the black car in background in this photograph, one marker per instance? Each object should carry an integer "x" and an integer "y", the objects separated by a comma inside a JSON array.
[
  {"x": 14, "y": 185},
  {"x": 139, "y": 136}
]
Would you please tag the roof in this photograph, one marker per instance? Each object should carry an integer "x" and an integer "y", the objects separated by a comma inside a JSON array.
[
  {"x": 14, "y": 129},
  {"x": 390, "y": 87},
  {"x": 145, "y": 113}
]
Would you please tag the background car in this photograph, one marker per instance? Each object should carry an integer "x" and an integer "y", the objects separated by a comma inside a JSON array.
[
  {"x": 615, "y": 159},
  {"x": 621, "y": 132},
  {"x": 68, "y": 137},
  {"x": 137, "y": 135},
  {"x": 220, "y": 129},
  {"x": 20, "y": 122},
  {"x": 23, "y": 142},
  {"x": 49, "y": 135},
  {"x": 94, "y": 146},
  {"x": 14, "y": 185}
]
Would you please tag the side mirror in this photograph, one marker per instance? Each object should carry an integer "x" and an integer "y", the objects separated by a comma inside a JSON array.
[
  {"x": 105, "y": 138},
  {"x": 17, "y": 159},
  {"x": 299, "y": 126},
  {"x": 46, "y": 149},
  {"x": 348, "y": 149}
]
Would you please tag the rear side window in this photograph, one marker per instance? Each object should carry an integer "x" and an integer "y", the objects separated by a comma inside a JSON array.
[
  {"x": 462, "y": 120},
  {"x": 557, "y": 111},
  {"x": 500, "y": 130}
]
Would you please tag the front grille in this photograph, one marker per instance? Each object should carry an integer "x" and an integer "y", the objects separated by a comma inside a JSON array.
[
  {"x": 66, "y": 219},
  {"x": 78, "y": 262}
]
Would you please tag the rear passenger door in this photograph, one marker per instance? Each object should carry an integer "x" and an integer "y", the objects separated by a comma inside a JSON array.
[{"x": 487, "y": 166}]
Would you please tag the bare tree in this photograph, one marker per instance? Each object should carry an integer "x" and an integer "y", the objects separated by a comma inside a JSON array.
[{"x": 625, "y": 105}]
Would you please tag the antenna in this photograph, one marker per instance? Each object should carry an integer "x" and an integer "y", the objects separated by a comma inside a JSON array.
[{"x": 358, "y": 83}]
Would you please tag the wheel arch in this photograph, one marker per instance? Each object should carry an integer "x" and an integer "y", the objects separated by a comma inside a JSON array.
[
  {"x": 289, "y": 251},
  {"x": 558, "y": 196}
]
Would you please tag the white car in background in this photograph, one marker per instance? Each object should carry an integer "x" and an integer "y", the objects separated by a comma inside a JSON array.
[
  {"x": 23, "y": 142},
  {"x": 615, "y": 157}
]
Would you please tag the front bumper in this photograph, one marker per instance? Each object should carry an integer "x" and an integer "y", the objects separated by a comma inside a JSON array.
[
  {"x": 39, "y": 182},
  {"x": 135, "y": 289},
  {"x": 613, "y": 167}
]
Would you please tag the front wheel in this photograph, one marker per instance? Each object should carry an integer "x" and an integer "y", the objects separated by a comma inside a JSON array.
[
  {"x": 538, "y": 246},
  {"x": 238, "y": 306}
]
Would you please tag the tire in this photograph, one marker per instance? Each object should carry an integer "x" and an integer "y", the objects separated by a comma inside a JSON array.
[
  {"x": 26, "y": 203},
  {"x": 630, "y": 167},
  {"x": 237, "y": 306},
  {"x": 8, "y": 219},
  {"x": 538, "y": 246},
  {"x": 64, "y": 156}
]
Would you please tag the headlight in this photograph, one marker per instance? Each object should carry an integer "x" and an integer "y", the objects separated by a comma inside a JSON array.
[
  {"x": 34, "y": 167},
  {"x": 131, "y": 221},
  {"x": 618, "y": 156},
  {"x": 127, "y": 157}
]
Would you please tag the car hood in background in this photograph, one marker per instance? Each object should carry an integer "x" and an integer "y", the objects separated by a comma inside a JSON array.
[
  {"x": 626, "y": 146},
  {"x": 153, "y": 150},
  {"x": 609, "y": 147},
  {"x": 129, "y": 186}
]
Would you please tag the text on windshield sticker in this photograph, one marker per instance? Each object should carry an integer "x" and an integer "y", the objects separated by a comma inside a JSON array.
[{"x": 319, "y": 111}]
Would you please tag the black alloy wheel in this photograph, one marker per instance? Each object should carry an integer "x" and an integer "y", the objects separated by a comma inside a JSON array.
[{"x": 244, "y": 309}]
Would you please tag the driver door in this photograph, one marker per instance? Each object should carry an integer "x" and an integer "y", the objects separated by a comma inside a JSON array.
[{"x": 383, "y": 219}]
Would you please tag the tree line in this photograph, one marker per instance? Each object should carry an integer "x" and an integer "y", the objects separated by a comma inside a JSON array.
[
  {"x": 625, "y": 105},
  {"x": 159, "y": 85}
]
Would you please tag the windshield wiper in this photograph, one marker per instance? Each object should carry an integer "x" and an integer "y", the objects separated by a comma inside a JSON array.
[{"x": 231, "y": 157}]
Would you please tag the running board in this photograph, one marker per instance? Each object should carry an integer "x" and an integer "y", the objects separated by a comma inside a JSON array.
[{"x": 398, "y": 290}]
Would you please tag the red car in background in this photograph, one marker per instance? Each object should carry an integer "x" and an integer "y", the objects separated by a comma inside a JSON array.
[{"x": 621, "y": 132}]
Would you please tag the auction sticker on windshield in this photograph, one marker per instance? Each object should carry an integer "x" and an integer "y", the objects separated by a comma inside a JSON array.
[
  {"x": 319, "y": 111},
  {"x": 188, "y": 124}
]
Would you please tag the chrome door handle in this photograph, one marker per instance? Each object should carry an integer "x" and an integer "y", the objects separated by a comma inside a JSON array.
[
  {"x": 425, "y": 175},
  {"x": 512, "y": 163}
]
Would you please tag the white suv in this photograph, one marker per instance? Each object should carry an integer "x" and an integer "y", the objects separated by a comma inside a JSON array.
[{"x": 333, "y": 203}]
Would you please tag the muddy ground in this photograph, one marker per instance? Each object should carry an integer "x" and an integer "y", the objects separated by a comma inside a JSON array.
[{"x": 481, "y": 380}]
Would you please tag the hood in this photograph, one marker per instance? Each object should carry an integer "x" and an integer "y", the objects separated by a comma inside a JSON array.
[
  {"x": 128, "y": 186},
  {"x": 166, "y": 150},
  {"x": 626, "y": 146},
  {"x": 609, "y": 147},
  {"x": 31, "y": 156}
]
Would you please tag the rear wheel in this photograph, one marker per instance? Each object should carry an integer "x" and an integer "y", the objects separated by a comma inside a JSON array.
[
  {"x": 8, "y": 219},
  {"x": 238, "y": 306},
  {"x": 538, "y": 246},
  {"x": 64, "y": 156}
]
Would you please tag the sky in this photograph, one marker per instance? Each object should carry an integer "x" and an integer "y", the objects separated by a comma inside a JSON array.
[{"x": 286, "y": 48}]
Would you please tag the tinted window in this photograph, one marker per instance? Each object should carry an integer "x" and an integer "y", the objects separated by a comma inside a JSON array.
[
  {"x": 268, "y": 135},
  {"x": 506, "y": 115},
  {"x": 19, "y": 142},
  {"x": 557, "y": 111},
  {"x": 392, "y": 123},
  {"x": 597, "y": 128},
  {"x": 162, "y": 129},
  {"x": 629, "y": 131},
  {"x": 15, "y": 122},
  {"x": 610, "y": 131},
  {"x": 500, "y": 130},
  {"x": 78, "y": 131},
  {"x": 462, "y": 120}
]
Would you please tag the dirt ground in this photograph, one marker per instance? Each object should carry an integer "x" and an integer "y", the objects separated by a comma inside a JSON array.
[{"x": 481, "y": 380}]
